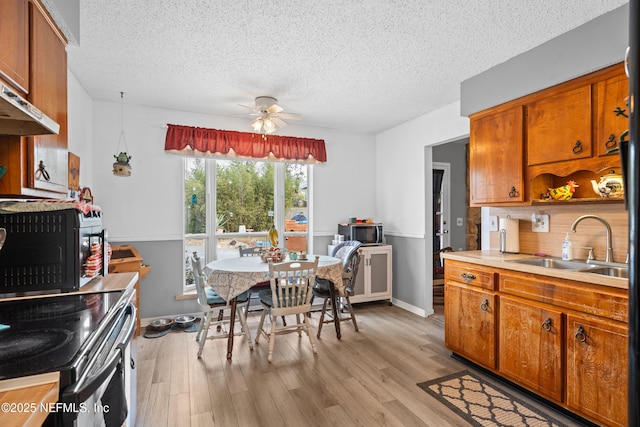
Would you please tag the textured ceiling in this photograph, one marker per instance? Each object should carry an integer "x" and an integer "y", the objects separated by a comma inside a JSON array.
[{"x": 361, "y": 66}]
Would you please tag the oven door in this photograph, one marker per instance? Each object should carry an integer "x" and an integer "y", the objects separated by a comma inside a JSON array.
[{"x": 100, "y": 396}]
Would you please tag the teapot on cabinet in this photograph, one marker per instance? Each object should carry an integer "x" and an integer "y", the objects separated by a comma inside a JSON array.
[{"x": 609, "y": 186}]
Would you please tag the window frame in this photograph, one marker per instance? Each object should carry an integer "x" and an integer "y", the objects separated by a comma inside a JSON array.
[{"x": 210, "y": 236}]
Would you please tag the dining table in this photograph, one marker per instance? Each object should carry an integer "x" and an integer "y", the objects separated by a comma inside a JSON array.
[{"x": 230, "y": 277}]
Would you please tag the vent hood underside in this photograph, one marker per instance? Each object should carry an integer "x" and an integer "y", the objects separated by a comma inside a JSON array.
[{"x": 19, "y": 117}]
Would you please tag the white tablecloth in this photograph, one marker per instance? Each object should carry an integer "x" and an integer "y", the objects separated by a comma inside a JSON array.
[{"x": 232, "y": 276}]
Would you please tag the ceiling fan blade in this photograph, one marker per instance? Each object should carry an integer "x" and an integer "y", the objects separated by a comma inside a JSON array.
[
  {"x": 290, "y": 116},
  {"x": 278, "y": 122},
  {"x": 250, "y": 108},
  {"x": 274, "y": 109}
]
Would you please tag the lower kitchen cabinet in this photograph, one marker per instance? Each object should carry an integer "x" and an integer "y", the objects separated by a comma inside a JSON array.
[
  {"x": 471, "y": 323},
  {"x": 374, "y": 279},
  {"x": 597, "y": 368},
  {"x": 565, "y": 340},
  {"x": 531, "y": 346}
]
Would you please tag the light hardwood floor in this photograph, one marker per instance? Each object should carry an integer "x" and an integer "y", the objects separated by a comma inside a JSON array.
[{"x": 367, "y": 378}]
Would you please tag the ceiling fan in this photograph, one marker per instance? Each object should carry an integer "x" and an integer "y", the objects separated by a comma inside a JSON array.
[{"x": 270, "y": 115}]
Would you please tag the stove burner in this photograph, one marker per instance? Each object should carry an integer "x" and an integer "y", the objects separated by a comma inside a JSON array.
[
  {"x": 48, "y": 308},
  {"x": 21, "y": 346}
]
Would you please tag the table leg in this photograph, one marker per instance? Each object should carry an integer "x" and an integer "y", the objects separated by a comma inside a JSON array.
[
  {"x": 232, "y": 322},
  {"x": 334, "y": 306}
]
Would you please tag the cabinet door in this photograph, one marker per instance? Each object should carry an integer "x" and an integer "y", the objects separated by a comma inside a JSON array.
[
  {"x": 49, "y": 94},
  {"x": 14, "y": 33},
  {"x": 379, "y": 272},
  {"x": 597, "y": 371},
  {"x": 496, "y": 158},
  {"x": 531, "y": 345},
  {"x": 559, "y": 127},
  {"x": 611, "y": 94},
  {"x": 470, "y": 323}
]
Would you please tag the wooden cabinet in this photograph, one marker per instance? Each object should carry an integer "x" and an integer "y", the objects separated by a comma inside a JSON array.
[
  {"x": 547, "y": 138},
  {"x": 611, "y": 94},
  {"x": 374, "y": 279},
  {"x": 597, "y": 369},
  {"x": 14, "y": 33},
  {"x": 531, "y": 350},
  {"x": 564, "y": 340},
  {"x": 470, "y": 313},
  {"x": 38, "y": 166},
  {"x": 559, "y": 127},
  {"x": 496, "y": 158}
]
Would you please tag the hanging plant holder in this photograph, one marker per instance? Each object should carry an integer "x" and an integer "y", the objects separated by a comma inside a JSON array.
[{"x": 122, "y": 167}]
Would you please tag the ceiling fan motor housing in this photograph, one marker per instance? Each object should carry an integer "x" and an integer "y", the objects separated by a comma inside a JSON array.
[{"x": 264, "y": 102}]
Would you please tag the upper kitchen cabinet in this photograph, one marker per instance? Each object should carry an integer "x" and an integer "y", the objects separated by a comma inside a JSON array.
[
  {"x": 559, "y": 127},
  {"x": 611, "y": 96},
  {"x": 14, "y": 33},
  {"x": 496, "y": 157},
  {"x": 37, "y": 165}
]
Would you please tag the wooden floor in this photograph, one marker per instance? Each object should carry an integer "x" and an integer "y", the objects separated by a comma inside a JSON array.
[{"x": 366, "y": 379}]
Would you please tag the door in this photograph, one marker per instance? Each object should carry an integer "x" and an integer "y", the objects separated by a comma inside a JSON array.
[{"x": 441, "y": 205}]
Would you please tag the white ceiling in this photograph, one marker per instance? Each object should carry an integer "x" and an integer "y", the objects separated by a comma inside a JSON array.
[{"x": 362, "y": 66}]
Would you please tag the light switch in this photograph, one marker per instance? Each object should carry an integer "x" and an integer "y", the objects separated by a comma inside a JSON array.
[
  {"x": 493, "y": 223},
  {"x": 459, "y": 222},
  {"x": 539, "y": 223}
]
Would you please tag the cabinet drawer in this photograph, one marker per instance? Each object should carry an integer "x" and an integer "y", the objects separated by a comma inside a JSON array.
[
  {"x": 610, "y": 303},
  {"x": 469, "y": 274}
]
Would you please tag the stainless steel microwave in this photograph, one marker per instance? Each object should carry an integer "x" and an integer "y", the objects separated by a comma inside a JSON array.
[{"x": 366, "y": 233}]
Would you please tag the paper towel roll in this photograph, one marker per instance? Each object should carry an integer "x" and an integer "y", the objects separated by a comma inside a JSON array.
[{"x": 510, "y": 232}]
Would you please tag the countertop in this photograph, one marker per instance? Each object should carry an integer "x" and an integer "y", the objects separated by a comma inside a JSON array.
[
  {"x": 113, "y": 282},
  {"x": 497, "y": 259}
]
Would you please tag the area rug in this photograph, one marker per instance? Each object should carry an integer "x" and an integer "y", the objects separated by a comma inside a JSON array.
[{"x": 482, "y": 403}]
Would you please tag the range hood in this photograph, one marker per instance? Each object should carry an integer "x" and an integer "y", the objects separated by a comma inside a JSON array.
[{"x": 19, "y": 117}]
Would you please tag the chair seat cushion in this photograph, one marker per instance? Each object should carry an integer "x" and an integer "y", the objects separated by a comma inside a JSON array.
[
  {"x": 267, "y": 298},
  {"x": 213, "y": 297}
]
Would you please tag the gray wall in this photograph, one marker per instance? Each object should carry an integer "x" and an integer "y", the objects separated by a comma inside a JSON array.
[
  {"x": 455, "y": 154},
  {"x": 594, "y": 45}
]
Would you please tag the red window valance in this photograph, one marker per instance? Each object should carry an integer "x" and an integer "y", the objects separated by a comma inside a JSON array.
[{"x": 191, "y": 140}]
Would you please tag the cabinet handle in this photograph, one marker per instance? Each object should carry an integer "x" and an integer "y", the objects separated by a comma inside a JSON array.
[
  {"x": 468, "y": 277},
  {"x": 611, "y": 142},
  {"x": 546, "y": 325},
  {"x": 580, "y": 335},
  {"x": 577, "y": 149},
  {"x": 485, "y": 305},
  {"x": 42, "y": 170},
  {"x": 513, "y": 192}
]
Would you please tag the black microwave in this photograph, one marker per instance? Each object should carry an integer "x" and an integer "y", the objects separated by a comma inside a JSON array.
[
  {"x": 51, "y": 251},
  {"x": 366, "y": 233}
]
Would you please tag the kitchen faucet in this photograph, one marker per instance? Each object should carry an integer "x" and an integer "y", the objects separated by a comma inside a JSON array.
[{"x": 609, "y": 256}]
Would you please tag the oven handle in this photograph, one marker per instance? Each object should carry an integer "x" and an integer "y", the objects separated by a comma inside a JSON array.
[{"x": 86, "y": 386}]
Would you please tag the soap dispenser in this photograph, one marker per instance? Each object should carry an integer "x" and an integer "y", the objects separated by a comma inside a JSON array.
[{"x": 567, "y": 249}]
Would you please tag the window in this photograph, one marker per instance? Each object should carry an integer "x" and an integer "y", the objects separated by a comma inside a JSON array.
[{"x": 230, "y": 204}]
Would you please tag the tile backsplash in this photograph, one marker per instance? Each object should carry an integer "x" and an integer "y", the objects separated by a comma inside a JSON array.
[{"x": 589, "y": 233}]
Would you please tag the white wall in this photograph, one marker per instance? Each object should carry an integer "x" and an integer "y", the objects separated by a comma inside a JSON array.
[
  {"x": 147, "y": 205},
  {"x": 80, "y": 128}
]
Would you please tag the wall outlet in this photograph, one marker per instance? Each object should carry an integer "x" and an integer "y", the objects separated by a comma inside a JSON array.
[
  {"x": 493, "y": 223},
  {"x": 539, "y": 223}
]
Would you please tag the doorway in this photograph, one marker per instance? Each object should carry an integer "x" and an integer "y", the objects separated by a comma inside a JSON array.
[{"x": 441, "y": 225}]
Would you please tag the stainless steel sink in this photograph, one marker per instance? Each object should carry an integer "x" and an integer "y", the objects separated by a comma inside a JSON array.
[
  {"x": 549, "y": 262},
  {"x": 622, "y": 272}
]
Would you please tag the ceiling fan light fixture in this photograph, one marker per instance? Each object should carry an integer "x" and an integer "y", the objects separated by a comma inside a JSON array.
[
  {"x": 257, "y": 125},
  {"x": 269, "y": 126}
]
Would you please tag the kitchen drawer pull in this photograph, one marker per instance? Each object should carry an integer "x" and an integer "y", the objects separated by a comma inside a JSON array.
[
  {"x": 546, "y": 325},
  {"x": 577, "y": 149},
  {"x": 611, "y": 142},
  {"x": 580, "y": 335},
  {"x": 485, "y": 305},
  {"x": 468, "y": 277}
]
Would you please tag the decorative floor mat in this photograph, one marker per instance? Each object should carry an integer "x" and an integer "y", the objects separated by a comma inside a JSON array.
[{"x": 482, "y": 403}]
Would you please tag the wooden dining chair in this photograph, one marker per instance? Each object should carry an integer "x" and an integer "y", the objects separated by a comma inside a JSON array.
[
  {"x": 350, "y": 253},
  {"x": 291, "y": 288},
  {"x": 209, "y": 302}
]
